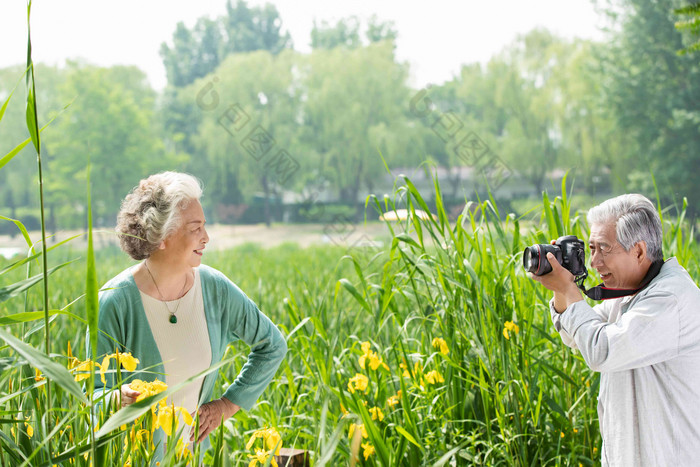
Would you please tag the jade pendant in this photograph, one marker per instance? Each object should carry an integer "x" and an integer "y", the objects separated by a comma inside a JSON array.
[{"x": 173, "y": 319}]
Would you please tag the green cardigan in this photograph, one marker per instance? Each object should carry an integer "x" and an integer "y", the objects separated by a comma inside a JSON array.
[{"x": 230, "y": 316}]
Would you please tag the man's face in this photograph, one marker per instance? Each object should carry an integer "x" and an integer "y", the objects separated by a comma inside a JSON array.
[{"x": 619, "y": 269}]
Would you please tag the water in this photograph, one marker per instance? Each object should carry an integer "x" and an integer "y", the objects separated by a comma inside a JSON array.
[{"x": 9, "y": 253}]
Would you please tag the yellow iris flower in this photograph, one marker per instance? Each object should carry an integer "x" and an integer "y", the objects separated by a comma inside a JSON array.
[
  {"x": 376, "y": 413},
  {"x": 417, "y": 368},
  {"x": 358, "y": 382},
  {"x": 147, "y": 389},
  {"x": 439, "y": 343},
  {"x": 167, "y": 414},
  {"x": 509, "y": 327},
  {"x": 375, "y": 361},
  {"x": 37, "y": 375},
  {"x": 368, "y": 450},
  {"x": 395, "y": 399},
  {"x": 434, "y": 377},
  {"x": 124, "y": 359},
  {"x": 354, "y": 426},
  {"x": 270, "y": 437},
  {"x": 260, "y": 457}
]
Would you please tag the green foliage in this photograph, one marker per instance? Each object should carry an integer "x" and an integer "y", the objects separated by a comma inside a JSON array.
[
  {"x": 121, "y": 142},
  {"x": 691, "y": 24},
  {"x": 655, "y": 97},
  {"x": 346, "y": 33},
  {"x": 196, "y": 53}
]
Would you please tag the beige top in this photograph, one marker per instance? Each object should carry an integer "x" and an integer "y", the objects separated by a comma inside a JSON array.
[{"x": 183, "y": 346}]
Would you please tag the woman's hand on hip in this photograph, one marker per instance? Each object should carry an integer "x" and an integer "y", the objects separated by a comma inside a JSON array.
[{"x": 212, "y": 414}]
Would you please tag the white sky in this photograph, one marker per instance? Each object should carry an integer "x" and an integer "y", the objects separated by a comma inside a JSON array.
[{"x": 435, "y": 37}]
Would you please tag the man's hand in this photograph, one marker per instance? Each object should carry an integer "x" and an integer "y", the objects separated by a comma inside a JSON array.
[
  {"x": 212, "y": 414},
  {"x": 128, "y": 395},
  {"x": 561, "y": 282}
]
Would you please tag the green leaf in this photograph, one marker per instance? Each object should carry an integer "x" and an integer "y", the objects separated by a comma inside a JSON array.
[
  {"x": 78, "y": 450},
  {"x": 51, "y": 369},
  {"x": 21, "y": 228},
  {"x": 358, "y": 296},
  {"x": 553, "y": 405},
  {"x": 7, "y": 101},
  {"x": 19, "y": 263},
  {"x": 10, "y": 155},
  {"x": 32, "y": 123},
  {"x": 28, "y": 316},
  {"x": 91, "y": 284},
  {"x": 18, "y": 287},
  {"x": 408, "y": 436},
  {"x": 404, "y": 237},
  {"x": 382, "y": 450},
  {"x": 297, "y": 327}
]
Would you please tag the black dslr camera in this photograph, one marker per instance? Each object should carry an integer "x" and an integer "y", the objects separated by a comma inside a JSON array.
[{"x": 568, "y": 250}]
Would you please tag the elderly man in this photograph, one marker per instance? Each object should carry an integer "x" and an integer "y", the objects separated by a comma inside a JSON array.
[{"x": 645, "y": 345}]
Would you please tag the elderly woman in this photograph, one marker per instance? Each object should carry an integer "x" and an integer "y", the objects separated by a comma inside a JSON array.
[{"x": 176, "y": 315}]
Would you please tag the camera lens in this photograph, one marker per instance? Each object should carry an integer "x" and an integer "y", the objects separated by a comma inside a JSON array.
[
  {"x": 535, "y": 258},
  {"x": 531, "y": 259}
]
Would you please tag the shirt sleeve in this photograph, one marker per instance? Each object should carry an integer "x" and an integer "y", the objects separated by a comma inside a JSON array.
[
  {"x": 268, "y": 348},
  {"x": 566, "y": 338},
  {"x": 647, "y": 333}
]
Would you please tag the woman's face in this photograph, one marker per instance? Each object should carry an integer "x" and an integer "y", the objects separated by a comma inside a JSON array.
[{"x": 187, "y": 243}]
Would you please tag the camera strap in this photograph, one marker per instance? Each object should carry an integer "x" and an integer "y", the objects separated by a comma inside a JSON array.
[{"x": 599, "y": 292}]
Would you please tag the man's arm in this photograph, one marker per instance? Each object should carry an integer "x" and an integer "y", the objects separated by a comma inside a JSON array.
[
  {"x": 647, "y": 333},
  {"x": 600, "y": 309}
]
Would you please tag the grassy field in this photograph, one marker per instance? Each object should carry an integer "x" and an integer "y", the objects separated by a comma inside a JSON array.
[{"x": 435, "y": 349}]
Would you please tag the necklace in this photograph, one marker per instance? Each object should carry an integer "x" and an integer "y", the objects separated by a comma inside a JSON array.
[{"x": 173, "y": 318}]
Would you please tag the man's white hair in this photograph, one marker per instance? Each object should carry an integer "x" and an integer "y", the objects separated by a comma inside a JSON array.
[{"x": 635, "y": 219}]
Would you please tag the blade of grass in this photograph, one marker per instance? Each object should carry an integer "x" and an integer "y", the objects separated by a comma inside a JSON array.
[
  {"x": 18, "y": 287},
  {"x": 38, "y": 359}
]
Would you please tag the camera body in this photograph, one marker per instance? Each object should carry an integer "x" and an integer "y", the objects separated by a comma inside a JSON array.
[{"x": 568, "y": 250}]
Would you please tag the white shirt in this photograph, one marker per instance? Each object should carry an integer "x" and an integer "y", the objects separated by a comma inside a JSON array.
[
  {"x": 647, "y": 349},
  {"x": 184, "y": 346}
]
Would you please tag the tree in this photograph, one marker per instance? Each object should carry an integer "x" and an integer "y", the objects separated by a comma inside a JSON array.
[
  {"x": 655, "y": 93},
  {"x": 111, "y": 124},
  {"x": 592, "y": 142},
  {"x": 378, "y": 31},
  {"x": 258, "y": 28},
  {"x": 196, "y": 53},
  {"x": 18, "y": 180},
  {"x": 691, "y": 24},
  {"x": 354, "y": 97},
  {"x": 259, "y": 156},
  {"x": 345, "y": 33},
  {"x": 531, "y": 140}
]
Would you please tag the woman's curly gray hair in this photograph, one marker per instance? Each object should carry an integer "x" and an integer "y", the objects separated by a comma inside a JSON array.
[{"x": 151, "y": 212}]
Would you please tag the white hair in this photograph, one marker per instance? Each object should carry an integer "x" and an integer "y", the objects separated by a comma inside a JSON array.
[
  {"x": 635, "y": 219},
  {"x": 152, "y": 211}
]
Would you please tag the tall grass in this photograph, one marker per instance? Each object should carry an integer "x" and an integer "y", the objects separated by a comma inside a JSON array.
[{"x": 525, "y": 400}]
